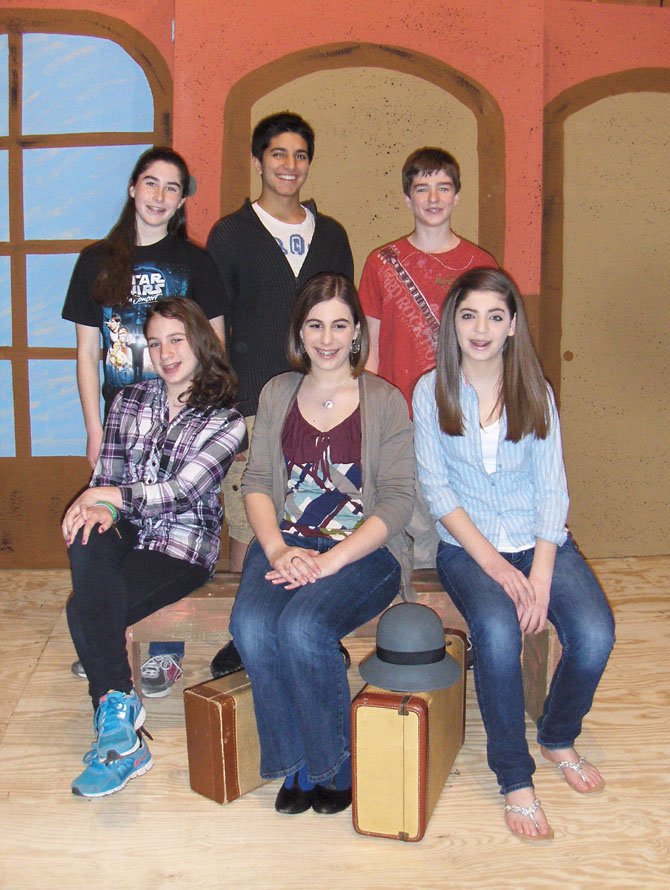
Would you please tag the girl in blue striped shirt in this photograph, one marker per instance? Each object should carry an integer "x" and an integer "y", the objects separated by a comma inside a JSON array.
[{"x": 490, "y": 462}]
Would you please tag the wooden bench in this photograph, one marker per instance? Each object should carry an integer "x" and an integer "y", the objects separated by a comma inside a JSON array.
[{"x": 203, "y": 617}]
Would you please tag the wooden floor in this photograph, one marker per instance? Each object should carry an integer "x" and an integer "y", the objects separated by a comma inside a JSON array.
[{"x": 158, "y": 834}]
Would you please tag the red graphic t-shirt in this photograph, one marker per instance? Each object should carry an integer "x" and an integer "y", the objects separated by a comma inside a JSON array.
[{"x": 406, "y": 338}]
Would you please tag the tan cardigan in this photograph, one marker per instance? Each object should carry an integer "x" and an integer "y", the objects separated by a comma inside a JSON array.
[{"x": 387, "y": 456}]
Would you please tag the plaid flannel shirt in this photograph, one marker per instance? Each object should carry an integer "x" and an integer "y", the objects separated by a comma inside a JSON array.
[{"x": 169, "y": 473}]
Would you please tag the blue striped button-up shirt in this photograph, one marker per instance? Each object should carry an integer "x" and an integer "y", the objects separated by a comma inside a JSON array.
[
  {"x": 527, "y": 495},
  {"x": 169, "y": 473}
]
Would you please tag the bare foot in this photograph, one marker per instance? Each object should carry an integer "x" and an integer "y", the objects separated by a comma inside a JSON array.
[
  {"x": 580, "y": 775},
  {"x": 524, "y": 816}
]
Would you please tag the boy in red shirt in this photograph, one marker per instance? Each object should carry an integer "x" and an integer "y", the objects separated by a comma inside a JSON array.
[{"x": 403, "y": 287}]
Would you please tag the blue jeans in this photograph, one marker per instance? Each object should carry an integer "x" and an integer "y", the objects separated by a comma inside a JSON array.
[
  {"x": 289, "y": 643},
  {"x": 585, "y": 626}
]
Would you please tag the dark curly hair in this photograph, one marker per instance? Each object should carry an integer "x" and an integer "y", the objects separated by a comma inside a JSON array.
[
  {"x": 276, "y": 124},
  {"x": 214, "y": 382}
]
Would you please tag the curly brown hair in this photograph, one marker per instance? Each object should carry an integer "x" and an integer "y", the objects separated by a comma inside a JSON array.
[{"x": 214, "y": 383}]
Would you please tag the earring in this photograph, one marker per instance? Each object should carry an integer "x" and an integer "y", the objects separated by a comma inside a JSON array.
[{"x": 355, "y": 346}]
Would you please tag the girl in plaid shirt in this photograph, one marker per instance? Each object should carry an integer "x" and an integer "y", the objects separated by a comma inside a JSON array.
[{"x": 146, "y": 531}]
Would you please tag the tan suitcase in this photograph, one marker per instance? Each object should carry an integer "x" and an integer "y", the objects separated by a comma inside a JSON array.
[
  {"x": 403, "y": 747},
  {"x": 221, "y": 736}
]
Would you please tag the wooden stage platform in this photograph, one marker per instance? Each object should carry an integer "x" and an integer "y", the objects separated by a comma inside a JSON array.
[{"x": 158, "y": 834}]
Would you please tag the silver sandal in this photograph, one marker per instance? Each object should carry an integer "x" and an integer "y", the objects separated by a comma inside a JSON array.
[
  {"x": 575, "y": 767},
  {"x": 578, "y": 768},
  {"x": 529, "y": 813}
]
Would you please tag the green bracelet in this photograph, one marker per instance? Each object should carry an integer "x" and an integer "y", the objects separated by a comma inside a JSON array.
[{"x": 112, "y": 509}]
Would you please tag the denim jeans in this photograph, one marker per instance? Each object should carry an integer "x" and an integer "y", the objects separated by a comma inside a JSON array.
[
  {"x": 113, "y": 586},
  {"x": 585, "y": 626},
  {"x": 289, "y": 643}
]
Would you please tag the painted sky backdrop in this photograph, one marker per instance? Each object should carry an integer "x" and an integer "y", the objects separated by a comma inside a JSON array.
[{"x": 71, "y": 84}]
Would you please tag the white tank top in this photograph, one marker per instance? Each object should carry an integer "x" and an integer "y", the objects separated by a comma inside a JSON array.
[{"x": 489, "y": 436}]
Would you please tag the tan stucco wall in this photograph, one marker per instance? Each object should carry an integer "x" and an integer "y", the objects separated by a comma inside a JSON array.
[
  {"x": 367, "y": 121},
  {"x": 615, "y": 323}
]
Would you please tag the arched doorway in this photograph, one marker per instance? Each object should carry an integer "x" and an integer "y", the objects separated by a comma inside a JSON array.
[
  {"x": 337, "y": 78},
  {"x": 604, "y": 304}
]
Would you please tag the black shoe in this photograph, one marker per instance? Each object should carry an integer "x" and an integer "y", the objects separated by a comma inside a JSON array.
[
  {"x": 330, "y": 800},
  {"x": 226, "y": 661},
  {"x": 345, "y": 656},
  {"x": 293, "y": 800}
]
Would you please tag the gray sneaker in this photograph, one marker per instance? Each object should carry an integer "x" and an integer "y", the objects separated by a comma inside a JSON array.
[
  {"x": 159, "y": 674},
  {"x": 78, "y": 670}
]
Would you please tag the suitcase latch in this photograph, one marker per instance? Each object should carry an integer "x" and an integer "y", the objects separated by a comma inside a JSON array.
[{"x": 403, "y": 710}]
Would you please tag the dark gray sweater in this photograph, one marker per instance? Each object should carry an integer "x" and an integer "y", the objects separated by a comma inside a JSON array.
[{"x": 261, "y": 289}]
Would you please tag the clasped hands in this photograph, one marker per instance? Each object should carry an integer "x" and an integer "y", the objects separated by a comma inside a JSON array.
[{"x": 294, "y": 567}]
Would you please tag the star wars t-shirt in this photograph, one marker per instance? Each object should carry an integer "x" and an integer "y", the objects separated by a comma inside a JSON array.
[{"x": 172, "y": 267}]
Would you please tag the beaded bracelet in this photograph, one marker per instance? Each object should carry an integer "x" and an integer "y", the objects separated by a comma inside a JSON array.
[{"x": 112, "y": 509}]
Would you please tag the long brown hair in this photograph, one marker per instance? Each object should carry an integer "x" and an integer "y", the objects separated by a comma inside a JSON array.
[
  {"x": 214, "y": 383},
  {"x": 112, "y": 285},
  {"x": 523, "y": 393}
]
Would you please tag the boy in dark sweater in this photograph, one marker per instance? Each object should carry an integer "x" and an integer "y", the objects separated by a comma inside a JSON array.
[{"x": 265, "y": 252}]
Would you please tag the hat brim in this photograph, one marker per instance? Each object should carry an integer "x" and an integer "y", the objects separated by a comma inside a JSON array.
[{"x": 411, "y": 677}]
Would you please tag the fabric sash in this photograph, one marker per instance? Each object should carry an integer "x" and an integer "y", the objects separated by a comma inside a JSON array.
[{"x": 388, "y": 255}]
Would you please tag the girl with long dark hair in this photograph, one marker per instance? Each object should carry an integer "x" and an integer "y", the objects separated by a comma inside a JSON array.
[
  {"x": 145, "y": 258},
  {"x": 328, "y": 491},
  {"x": 490, "y": 463}
]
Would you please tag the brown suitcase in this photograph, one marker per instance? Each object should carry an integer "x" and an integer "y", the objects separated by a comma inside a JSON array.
[
  {"x": 403, "y": 747},
  {"x": 221, "y": 736}
]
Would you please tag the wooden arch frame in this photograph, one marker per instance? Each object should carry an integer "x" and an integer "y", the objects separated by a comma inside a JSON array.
[
  {"x": 638, "y": 80},
  {"x": 490, "y": 124},
  {"x": 16, "y": 22},
  {"x": 36, "y": 489}
]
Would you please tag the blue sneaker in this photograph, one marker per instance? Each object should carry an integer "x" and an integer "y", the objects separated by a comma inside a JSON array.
[
  {"x": 100, "y": 779},
  {"x": 117, "y": 719}
]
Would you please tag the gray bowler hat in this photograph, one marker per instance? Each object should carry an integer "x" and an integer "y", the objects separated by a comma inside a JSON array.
[{"x": 411, "y": 655}]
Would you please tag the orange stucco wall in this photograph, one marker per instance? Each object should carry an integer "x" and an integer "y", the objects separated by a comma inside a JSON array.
[
  {"x": 152, "y": 18},
  {"x": 585, "y": 40},
  {"x": 523, "y": 53},
  {"x": 502, "y": 52}
]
